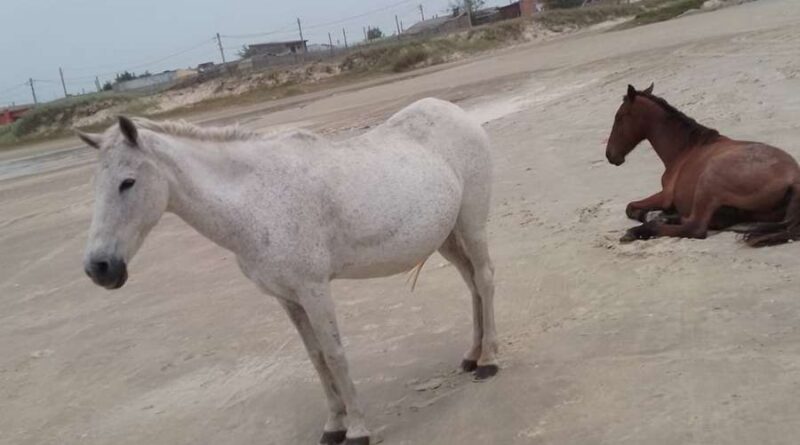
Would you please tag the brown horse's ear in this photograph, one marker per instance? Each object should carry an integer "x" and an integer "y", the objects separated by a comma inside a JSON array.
[
  {"x": 649, "y": 89},
  {"x": 631, "y": 93},
  {"x": 128, "y": 130}
]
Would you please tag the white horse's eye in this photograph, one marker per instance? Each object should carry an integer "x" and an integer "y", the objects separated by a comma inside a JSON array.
[{"x": 126, "y": 184}]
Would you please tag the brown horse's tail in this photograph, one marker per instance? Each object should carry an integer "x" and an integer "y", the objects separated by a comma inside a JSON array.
[{"x": 783, "y": 232}]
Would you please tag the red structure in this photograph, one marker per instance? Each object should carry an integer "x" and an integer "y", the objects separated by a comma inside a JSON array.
[
  {"x": 13, "y": 114},
  {"x": 528, "y": 8},
  {"x": 522, "y": 8}
]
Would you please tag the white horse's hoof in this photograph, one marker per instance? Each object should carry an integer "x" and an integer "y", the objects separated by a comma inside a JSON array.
[
  {"x": 333, "y": 437},
  {"x": 469, "y": 365},
  {"x": 486, "y": 372}
]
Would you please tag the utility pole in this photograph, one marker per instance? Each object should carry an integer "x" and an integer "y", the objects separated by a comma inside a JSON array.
[
  {"x": 221, "y": 50},
  {"x": 33, "y": 91},
  {"x": 422, "y": 12},
  {"x": 402, "y": 28},
  {"x": 344, "y": 33},
  {"x": 302, "y": 40},
  {"x": 397, "y": 22},
  {"x": 468, "y": 6},
  {"x": 366, "y": 35},
  {"x": 97, "y": 84},
  {"x": 63, "y": 85},
  {"x": 330, "y": 41}
]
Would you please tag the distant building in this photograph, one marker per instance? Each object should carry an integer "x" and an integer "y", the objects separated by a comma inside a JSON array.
[
  {"x": 154, "y": 83},
  {"x": 10, "y": 115},
  {"x": 206, "y": 67},
  {"x": 277, "y": 48},
  {"x": 320, "y": 47},
  {"x": 458, "y": 20},
  {"x": 530, "y": 7},
  {"x": 487, "y": 15},
  {"x": 523, "y": 8}
]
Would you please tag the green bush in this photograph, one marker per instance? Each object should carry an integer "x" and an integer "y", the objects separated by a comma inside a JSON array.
[
  {"x": 60, "y": 113},
  {"x": 667, "y": 11},
  {"x": 558, "y": 19},
  {"x": 408, "y": 58}
]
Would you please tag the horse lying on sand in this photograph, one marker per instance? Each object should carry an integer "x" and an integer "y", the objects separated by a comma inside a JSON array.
[
  {"x": 299, "y": 211},
  {"x": 710, "y": 181}
]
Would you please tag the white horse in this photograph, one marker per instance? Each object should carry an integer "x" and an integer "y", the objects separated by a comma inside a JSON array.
[{"x": 299, "y": 210}]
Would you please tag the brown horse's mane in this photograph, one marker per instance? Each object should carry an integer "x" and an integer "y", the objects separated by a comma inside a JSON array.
[{"x": 698, "y": 134}]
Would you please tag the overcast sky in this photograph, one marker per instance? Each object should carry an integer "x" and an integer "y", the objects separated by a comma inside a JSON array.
[{"x": 103, "y": 37}]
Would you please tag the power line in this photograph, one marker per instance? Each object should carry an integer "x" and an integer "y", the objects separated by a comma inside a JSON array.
[
  {"x": 285, "y": 30},
  {"x": 365, "y": 14},
  {"x": 179, "y": 53},
  {"x": 310, "y": 30},
  {"x": 141, "y": 65},
  {"x": 15, "y": 87}
]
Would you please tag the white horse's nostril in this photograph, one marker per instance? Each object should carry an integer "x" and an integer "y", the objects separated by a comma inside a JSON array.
[{"x": 111, "y": 273}]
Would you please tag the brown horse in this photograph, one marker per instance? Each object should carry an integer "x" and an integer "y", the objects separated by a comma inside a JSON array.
[{"x": 710, "y": 181}]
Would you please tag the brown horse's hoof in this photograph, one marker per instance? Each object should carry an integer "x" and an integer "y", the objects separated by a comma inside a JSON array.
[
  {"x": 636, "y": 214},
  {"x": 357, "y": 441},
  {"x": 486, "y": 372},
  {"x": 645, "y": 231},
  {"x": 333, "y": 437},
  {"x": 469, "y": 365}
]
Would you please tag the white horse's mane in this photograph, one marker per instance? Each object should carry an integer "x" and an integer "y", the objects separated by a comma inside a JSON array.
[{"x": 185, "y": 129}]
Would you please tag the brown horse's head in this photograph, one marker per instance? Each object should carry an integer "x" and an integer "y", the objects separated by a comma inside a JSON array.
[{"x": 628, "y": 130}]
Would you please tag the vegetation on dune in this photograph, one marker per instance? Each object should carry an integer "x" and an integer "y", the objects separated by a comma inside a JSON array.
[
  {"x": 400, "y": 56},
  {"x": 58, "y": 116},
  {"x": 393, "y": 57},
  {"x": 374, "y": 34},
  {"x": 559, "y": 19},
  {"x": 662, "y": 11},
  {"x": 403, "y": 56},
  {"x": 567, "y": 13},
  {"x": 384, "y": 56}
]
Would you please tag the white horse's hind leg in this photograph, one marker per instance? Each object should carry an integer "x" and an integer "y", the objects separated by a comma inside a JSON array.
[
  {"x": 453, "y": 252},
  {"x": 478, "y": 253},
  {"x": 316, "y": 301},
  {"x": 470, "y": 231},
  {"x": 335, "y": 428}
]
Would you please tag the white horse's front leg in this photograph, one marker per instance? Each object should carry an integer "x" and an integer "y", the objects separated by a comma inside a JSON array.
[
  {"x": 316, "y": 300},
  {"x": 335, "y": 429}
]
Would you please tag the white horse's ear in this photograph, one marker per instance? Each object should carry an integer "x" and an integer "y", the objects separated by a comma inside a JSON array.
[
  {"x": 649, "y": 89},
  {"x": 128, "y": 130},
  {"x": 91, "y": 139}
]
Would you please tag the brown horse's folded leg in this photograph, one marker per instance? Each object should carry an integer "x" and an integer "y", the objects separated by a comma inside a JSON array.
[
  {"x": 769, "y": 239},
  {"x": 696, "y": 226},
  {"x": 663, "y": 217},
  {"x": 654, "y": 229},
  {"x": 783, "y": 232},
  {"x": 638, "y": 210}
]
